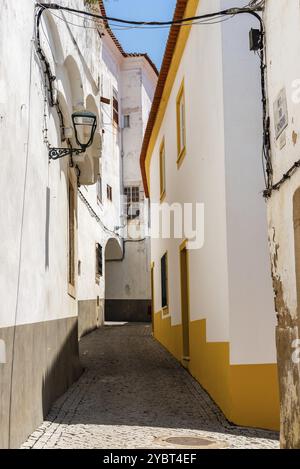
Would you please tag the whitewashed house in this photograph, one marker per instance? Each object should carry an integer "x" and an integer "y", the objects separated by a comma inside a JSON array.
[
  {"x": 48, "y": 71},
  {"x": 128, "y": 84},
  {"x": 213, "y": 304},
  {"x": 61, "y": 219},
  {"x": 282, "y": 35}
]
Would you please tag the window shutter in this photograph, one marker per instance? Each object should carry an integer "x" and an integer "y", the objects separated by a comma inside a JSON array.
[{"x": 99, "y": 260}]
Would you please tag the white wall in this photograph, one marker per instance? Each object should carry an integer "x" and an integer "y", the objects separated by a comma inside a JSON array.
[
  {"x": 252, "y": 317},
  {"x": 283, "y": 48},
  {"x": 109, "y": 212},
  {"x": 90, "y": 233},
  {"x": 204, "y": 163},
  {"x": 131, "y": 77},
  {"x": 230, "y": 282},
  {"x": 136, "y": 81}
]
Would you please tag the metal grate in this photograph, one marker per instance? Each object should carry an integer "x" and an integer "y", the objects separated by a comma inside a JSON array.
[
  {"x": 189, "y": 441},
  {"x": 194, "y": 442}
]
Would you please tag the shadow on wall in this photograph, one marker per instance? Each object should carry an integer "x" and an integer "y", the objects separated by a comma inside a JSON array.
[
  {"x": 46, "y": 363},
  {"x": 64, "y": 370},
  {"x": 90, "y": 316},
  {"x": 128, "y": 310}
]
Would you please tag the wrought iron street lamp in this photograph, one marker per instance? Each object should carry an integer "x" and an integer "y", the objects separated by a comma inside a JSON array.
[{"x": 85, "y": 125}]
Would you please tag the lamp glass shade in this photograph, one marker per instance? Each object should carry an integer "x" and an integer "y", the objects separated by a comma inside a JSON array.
[{"x": 85, "y": 125}]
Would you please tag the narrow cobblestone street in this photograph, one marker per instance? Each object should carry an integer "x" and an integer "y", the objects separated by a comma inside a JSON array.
[{"x": 133, "y": 394}]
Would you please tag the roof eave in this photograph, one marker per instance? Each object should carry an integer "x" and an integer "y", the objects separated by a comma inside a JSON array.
[{"x": 119, "y": 46}]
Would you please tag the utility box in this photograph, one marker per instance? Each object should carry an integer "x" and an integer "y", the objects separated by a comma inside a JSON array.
[{"x": 255, "y": 39}]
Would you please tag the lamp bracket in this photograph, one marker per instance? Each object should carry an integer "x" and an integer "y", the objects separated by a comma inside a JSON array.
[{"x": 56, "y": 153}]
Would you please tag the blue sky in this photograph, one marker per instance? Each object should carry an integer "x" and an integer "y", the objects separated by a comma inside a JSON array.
[{"x": 152, "y": 41}]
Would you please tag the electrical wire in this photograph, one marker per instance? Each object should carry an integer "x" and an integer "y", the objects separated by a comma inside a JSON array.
[
  {"x": 114, "y": 26},
  {"x": 263, "y": 157},
  {"x": 139, "y": 28},
  {"x": 71, "y": 23},
  {"x": 131, "y": 28},
  {"x": 103, "y": 226},
  {"x": 94, "y": 215},
  {"x": 184, "y": 23},
  {"x": 83, "y": 16},
  {"x": 206, "y": 19},
  {"x": 230, "y": 11},
  {"x": 196, "y": 23},
  {"x": 285, "y": 177}
]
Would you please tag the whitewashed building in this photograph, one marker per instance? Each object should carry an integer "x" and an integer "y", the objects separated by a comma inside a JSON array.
[
  {"x": 213, "y": 305},
  {"x": 48, "y": 70},
  {"x": 59, "y": 219},
  {"x": 282, "y": 21},
  {"x": 128, "y": 83}
]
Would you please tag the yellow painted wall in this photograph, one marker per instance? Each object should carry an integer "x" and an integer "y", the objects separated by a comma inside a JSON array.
[
  {"x": 255, "y": 395},
  {"x": 209, "y": 364},
  {"x": 169, "y": 336},
  {"x": 247, "y": 394}
]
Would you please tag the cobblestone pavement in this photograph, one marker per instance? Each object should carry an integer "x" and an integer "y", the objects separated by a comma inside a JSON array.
[{"x": 133, "y": 394}]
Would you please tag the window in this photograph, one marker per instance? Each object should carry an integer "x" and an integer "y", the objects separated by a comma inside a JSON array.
[
  {"x": 180, "y": 111},
  {"x": 71, "y": 240},
  {"x": 109, "y": 192},
  {"x": 99, "y": 189},
  {"x": 132, "y": 194},
  {"x": 104, "y": 100},
  {"x": 115, "y": 107},
  {"x": 162, "y": 171},
  {"x": 99, "y": 261},
  {"x": 164, "y": 281},
  {"x": 126, "y": 122}
]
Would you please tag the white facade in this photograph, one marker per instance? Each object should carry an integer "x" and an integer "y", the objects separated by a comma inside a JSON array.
[
  {"x": 38, "y": 210},
  {"x": 57, "y": 226},
  {"x": 229, "y": 277},
  {"x": 133, "y": 78},
  {"x": 283, "y": 72}
]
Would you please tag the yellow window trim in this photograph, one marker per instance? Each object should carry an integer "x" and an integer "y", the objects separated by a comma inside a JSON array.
[
  {"x": 181, "y": 158},
  {"x": 152, "y": 269},
  {"x": 181, "y": 150},
  {"x": 162, "y": 170},
  {"x": 183, "y": 246}
]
